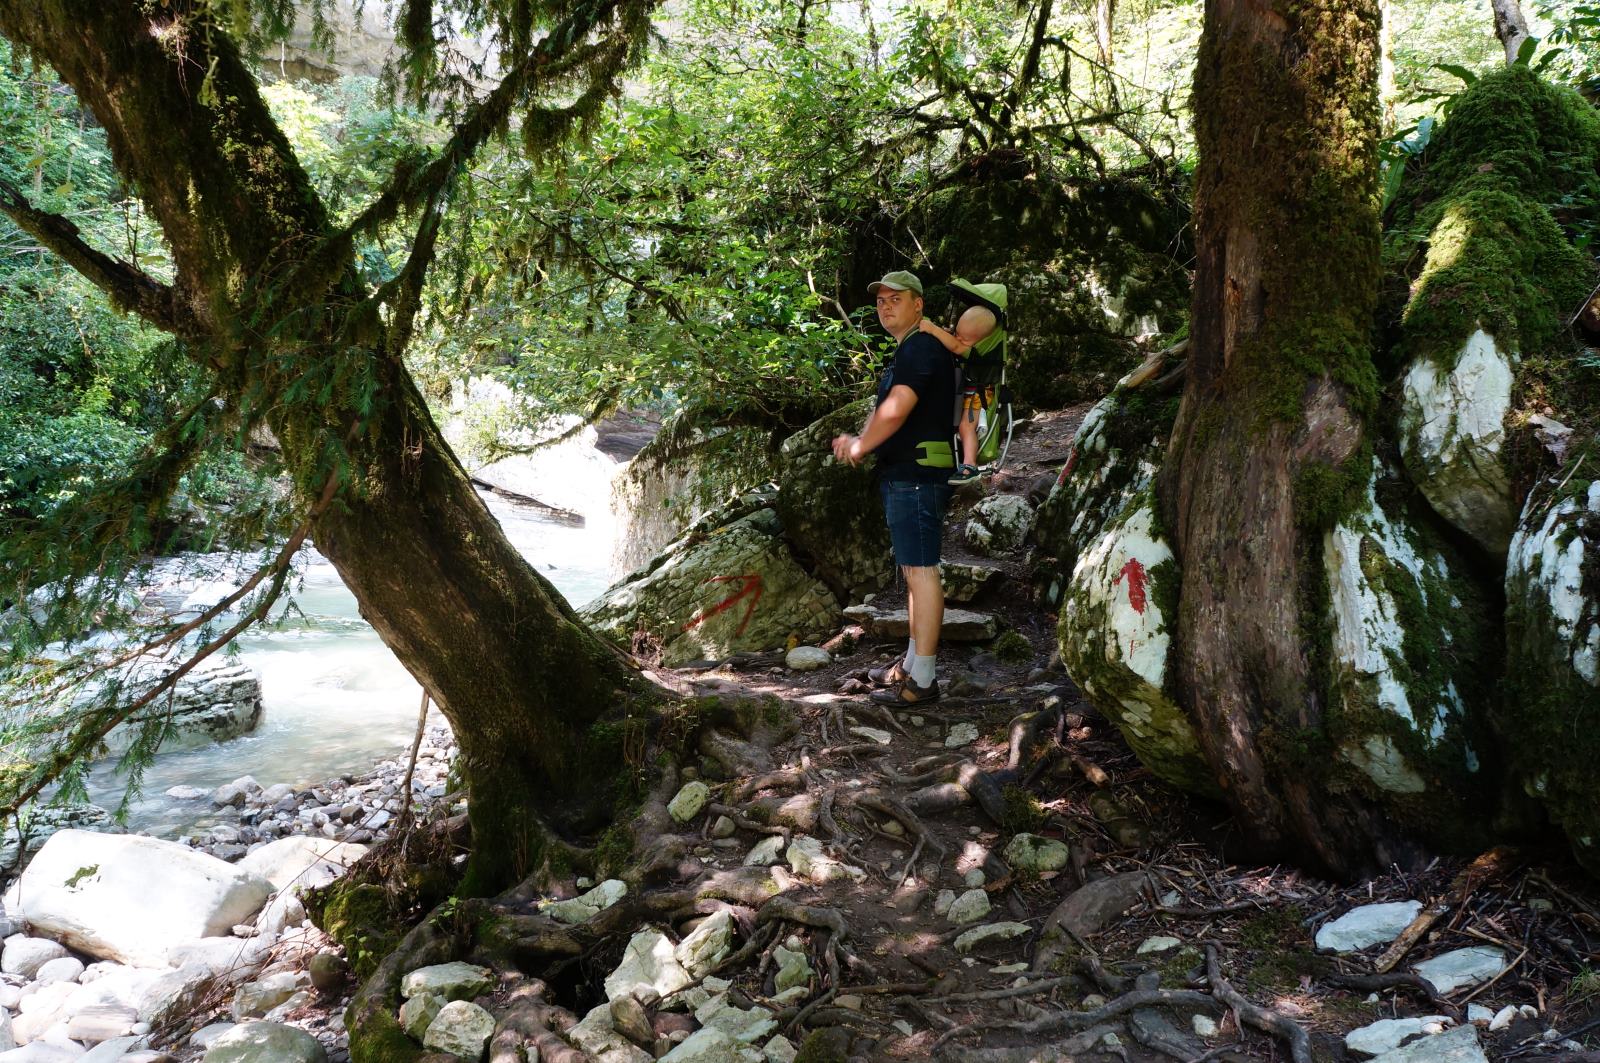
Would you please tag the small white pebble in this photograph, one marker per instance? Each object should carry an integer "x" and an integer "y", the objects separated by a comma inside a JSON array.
[{"x": 1204, "y": 1026}]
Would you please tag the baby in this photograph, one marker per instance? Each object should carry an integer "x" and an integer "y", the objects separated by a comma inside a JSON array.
[{"x": 975, "y": 326}]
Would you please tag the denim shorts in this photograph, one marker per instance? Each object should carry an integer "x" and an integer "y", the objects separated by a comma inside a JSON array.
[{"x": 915, "y": 511}]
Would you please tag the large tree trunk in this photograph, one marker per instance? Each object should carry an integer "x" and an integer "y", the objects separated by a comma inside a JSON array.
[
  {"x": 534, "y": 697},
  {"x": 1270, "y": 433}
]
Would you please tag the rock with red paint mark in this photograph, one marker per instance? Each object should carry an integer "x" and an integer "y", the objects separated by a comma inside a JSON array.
[
  {"x": 721, "y": 589},
  {"x": 1114, "y": 457},
  {"x": 999, "y": 523},
  {"x": 1115, "y": 641}
]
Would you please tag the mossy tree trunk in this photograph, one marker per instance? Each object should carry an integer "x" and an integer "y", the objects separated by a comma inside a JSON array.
[
  {"x": 1270, "y": 437},
  {"x": 532, "y": 694}
]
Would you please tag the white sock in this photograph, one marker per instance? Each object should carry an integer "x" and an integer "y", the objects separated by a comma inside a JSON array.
[
  {"x": 911, "y": 654},
  {"x": 922, "y": 670}
]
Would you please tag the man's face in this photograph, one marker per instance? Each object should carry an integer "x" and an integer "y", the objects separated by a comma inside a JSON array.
[{"x": 898, "y": 310}]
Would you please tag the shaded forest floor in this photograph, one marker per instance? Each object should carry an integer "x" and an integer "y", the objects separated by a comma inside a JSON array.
[{"x": 1163, "y": 883}]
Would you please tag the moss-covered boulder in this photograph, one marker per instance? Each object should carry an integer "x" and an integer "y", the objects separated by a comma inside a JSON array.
[
  {"x": 1489, "y": 279},
  {"x": 1115, "y": 614},
  {"x": 728, "y": 585},
  {"x": 1410, "y": 656},
  {"x": 1551, "y": 709},
  {"x": 830, "y": 510}
]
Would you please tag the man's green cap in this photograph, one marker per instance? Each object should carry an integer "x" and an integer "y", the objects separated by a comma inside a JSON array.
[{"x": 900, "y": 280}]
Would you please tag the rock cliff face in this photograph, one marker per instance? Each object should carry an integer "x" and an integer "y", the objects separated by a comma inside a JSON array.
[{"x": 215, "y": 702}]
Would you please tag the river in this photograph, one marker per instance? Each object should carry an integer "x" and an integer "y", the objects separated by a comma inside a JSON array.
[{"x": 335, "y": 700}]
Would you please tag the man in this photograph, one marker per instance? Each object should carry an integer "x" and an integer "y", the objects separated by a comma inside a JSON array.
[{"x": 910, "y": 430}]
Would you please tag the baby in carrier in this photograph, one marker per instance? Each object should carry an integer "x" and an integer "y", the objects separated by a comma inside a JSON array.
[{"x": 976, "y": 324}]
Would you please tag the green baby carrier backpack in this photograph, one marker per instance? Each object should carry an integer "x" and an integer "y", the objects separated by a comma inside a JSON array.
[{"x": 985, "y": 365}]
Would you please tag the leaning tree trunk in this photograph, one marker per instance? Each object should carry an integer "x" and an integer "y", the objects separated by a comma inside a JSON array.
[
  {"x": 537, "y": 701},
  {"x": 1510, "y": 27},
  {"x": 1270, "y": 435}
]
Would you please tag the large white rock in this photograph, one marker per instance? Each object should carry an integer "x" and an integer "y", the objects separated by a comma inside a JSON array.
[
  {"x": 1463, "y": 967},
  {"x": 265, "y": 1042},
  {"x": 1387, "y": 1034},
  {"x": 1452, "y": 427},
  {"x": 596, "y": 1034},
  {"x": 707, "y": 944},
  {"x": 99, "y": 894},
  {"x": 649, "y": 965},
  {"x": 1370, "y": 924},
  {"x": 302, "y": 862},
  {"x": 807, "y": 658}
]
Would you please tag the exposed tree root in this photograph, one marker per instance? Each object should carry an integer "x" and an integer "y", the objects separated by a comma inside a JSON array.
[{"x": 1272, "y": 1022}]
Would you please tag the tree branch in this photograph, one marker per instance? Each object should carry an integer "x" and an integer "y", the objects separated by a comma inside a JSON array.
[{"x": 130, "y": 288}]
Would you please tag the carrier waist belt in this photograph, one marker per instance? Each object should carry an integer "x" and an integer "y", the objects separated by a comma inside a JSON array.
[{"x": 937, "y": 454}]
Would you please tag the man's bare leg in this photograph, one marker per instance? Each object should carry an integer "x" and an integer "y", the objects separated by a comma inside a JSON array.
[{"x": 925, "y": 604}]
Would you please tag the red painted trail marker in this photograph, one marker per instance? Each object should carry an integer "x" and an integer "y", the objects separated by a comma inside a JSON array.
[
  {"x": 750, "y": 587},
  {"x": 1134, "y": 571}
]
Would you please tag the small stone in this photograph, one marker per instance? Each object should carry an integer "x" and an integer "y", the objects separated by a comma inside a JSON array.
[
  {"x": 707, "y": 1045},
  {"x": 185, "y": 793},
  {"x": 873, "y": 734},
  {"x": 1528, "y": 1011},
  {"x": 989, "y": 932},
  {"x": 418, "y": 1013},
  {"x": 1462, "y": 967},
  {"x": 894, "y": 827},
  {"x": 765, "y": 852},
  {"x": 960, "y": 735},
  {"x": 1092, "y": 1001},
  {"x": 1030, "y": 852},
  {"x": 807, "y": 658},
  {"x": 779, "y": 1050},
  {"x": 723, "y": 827},
  {"x": 461, "y": 1028},
  {"x": 703, "y": 949},
  {"x": 1158, "y": 943},
  {"x": 687, "y": 803},
  {"x": 1368, "y": 925},
  {"x": 943, "y": 901},
  {"x": 1009, "y": 968},
  {"x": 1480, "y": 1015},
  {"x": 969, "y": 907},
  {"x": 1387, "y": 1034},
  {"x": 793, "y": 995},
  {"x": 1204, "y": 1026},
  {"x": 974, "y": 878},
  {"x": 327, "y": 970},
  {"x": 60, "y": 969},
  {"x": 449, "y": 981},
  {"x": 629, "y": 1018},
  {"x": 1111, "y": 1040},
  {"x": 24, "y": 955},
  {"x": 585, "y": 906},
  {"x": 794, "y": 970}
]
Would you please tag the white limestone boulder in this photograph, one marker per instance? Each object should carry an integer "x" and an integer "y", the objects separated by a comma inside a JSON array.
[
  {"x": 24, "y": 955},
  {"x": 1462, "y": 967},
  {"x": 461, "y": 1028},
  {"x": 1452, "y": 431},
  {"x": 1408, "y": 637},
  {"x": 96, "y": 894},
  {"x": 649, "y": 966},
  {"x": 1552, "y": 632},
  {"x": 807, "y": 658},
  {"x": 1387, "y": 1034},
  {"x": 1115, "y": 641}
]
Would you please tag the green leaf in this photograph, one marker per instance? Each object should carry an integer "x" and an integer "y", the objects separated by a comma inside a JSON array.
[
  {"x": 1525, "y": 51},
  {"x": 1459, "y": 71}
]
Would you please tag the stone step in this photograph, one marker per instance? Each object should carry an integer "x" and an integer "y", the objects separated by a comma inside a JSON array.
[
  {"x": 960, "y": 625},
  {"x": 964, "y": 582}
]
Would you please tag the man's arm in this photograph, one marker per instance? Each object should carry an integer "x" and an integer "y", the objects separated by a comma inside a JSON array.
[
  {"x": 884, "y": 422},
  {"x": 952, "y": 343}
]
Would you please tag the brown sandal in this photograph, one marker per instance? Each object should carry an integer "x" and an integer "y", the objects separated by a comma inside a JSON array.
[{"x": 907, "y": 693}]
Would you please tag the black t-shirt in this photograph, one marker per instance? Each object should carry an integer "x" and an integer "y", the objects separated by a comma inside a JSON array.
[{"x": 922, "y": 364}]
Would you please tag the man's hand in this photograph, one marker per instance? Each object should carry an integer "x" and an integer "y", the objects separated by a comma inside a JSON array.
[
  {"x": 924, "y": 325},
  {"x": 848, "y": 449}
]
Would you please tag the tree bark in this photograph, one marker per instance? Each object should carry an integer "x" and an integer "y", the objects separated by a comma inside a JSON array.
[
  {"x": 536, "y": 699},
  {"x": 1105, "y": 13},
  {"x": 1280, "y": 382},
  {"x": 1510, "y": 27}
]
